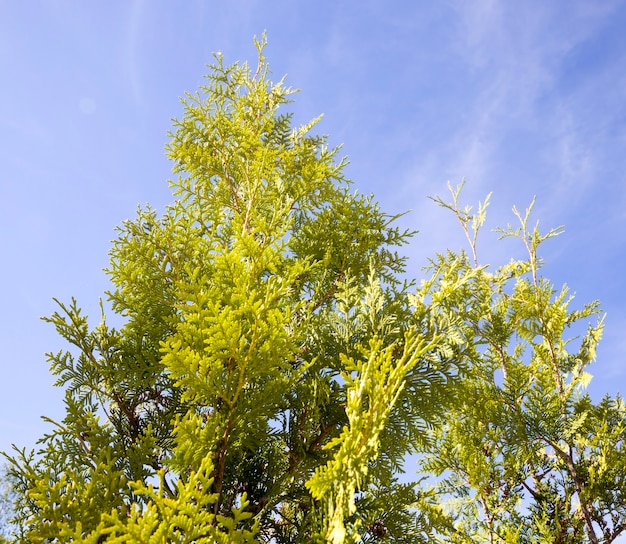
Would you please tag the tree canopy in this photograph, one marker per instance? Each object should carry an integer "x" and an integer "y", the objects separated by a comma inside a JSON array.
[{"x": 275, "y": 368}]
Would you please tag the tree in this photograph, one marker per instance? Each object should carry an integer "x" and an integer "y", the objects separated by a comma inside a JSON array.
[
  {"x": 524, "y": 455},
  {"x": 273, "y": 371},
  {"x": 270, "y": 372}
]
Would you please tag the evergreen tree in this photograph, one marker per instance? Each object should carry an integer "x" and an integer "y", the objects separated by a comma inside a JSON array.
[
  {"x": 273, "y": 371},
  {"x": 271, "y": 374},
  {"x": 524, "y": 455}
]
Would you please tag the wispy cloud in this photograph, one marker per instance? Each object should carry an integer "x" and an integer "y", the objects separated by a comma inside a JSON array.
[
  {"x": 133, "y": 38},
  {"x": 511, "y": 60}
]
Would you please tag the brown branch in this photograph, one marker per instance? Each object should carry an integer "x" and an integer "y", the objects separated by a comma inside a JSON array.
[
  {"x": 330, "y": 292},
  {"x": 218, "y": 472},
  {"x": 568, "y": 457}
]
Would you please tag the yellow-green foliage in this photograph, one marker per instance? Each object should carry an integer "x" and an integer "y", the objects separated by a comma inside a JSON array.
[{"x": 274, "y": 372}]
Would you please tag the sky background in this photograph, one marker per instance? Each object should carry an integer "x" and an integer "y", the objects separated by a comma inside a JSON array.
[{"x": 520, "y": 98}]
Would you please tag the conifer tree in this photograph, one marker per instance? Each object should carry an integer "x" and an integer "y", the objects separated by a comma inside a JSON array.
[
  {"x": 271, "y": 374},
  {"x": 524, "y": 454}
]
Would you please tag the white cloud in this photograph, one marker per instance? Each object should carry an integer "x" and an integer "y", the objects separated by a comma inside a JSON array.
[
  {"x": 510, "y": 59},
  {"x": 132, "y": 50}
]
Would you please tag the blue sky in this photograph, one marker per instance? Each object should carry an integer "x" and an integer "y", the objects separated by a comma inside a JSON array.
[{"x": 520, "y": 98}]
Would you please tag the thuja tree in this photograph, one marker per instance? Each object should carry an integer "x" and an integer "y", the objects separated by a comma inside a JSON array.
[
  {"x": 524, "y": 455},
  {"x": 273, "y": 372}
]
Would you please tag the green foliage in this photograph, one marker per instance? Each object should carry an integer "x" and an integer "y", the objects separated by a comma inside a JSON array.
[
  {"x": 266, "y": 342},
  {"x": 183, "y": 519},
  {"x": 273, "y": 374},
  {"x": 524, "y": 455},
  {"x": 373, "y": 387}
]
